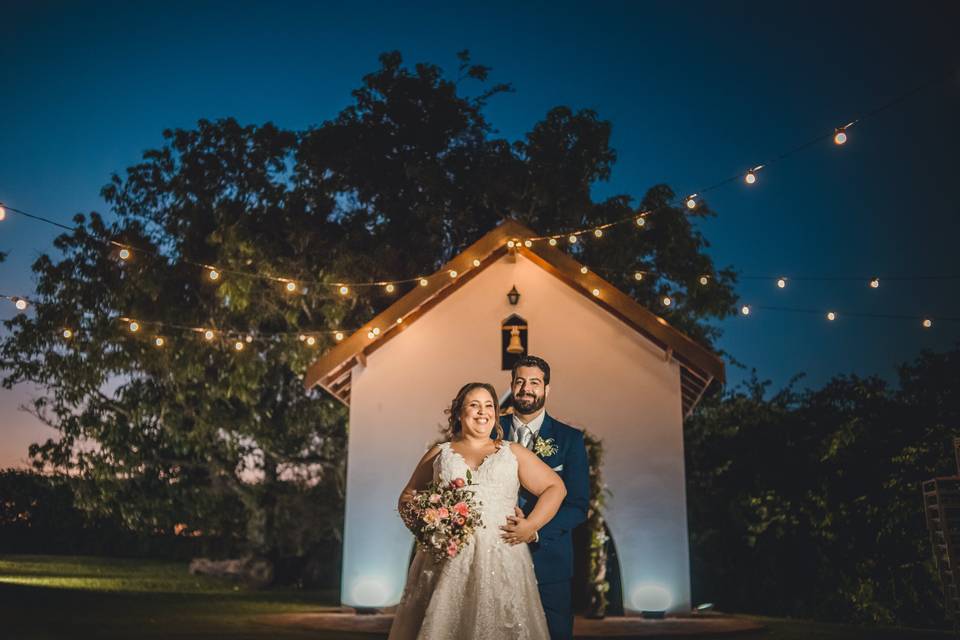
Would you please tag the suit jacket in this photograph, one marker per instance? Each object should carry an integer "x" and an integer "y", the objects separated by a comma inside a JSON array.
[{"x": 553, "y": 552}]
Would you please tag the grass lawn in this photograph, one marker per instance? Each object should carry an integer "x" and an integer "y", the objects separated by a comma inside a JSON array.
[{"x": 59, "y": 597}]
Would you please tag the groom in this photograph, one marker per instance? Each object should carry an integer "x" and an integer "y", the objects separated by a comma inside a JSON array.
[{"x": 561, "y": 447}]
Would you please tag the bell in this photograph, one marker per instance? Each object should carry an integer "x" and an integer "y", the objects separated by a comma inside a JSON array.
[{"x": 514, "y": 346}]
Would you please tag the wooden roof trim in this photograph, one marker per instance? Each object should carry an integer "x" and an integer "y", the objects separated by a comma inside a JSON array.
[{"x": 334, "y": 364}]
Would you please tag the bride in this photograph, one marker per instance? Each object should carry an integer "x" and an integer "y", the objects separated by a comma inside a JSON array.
[{"x": 488, "y": 591}]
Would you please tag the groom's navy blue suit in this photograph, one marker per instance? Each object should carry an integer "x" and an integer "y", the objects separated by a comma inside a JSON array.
[{"x": 553, "y": 552}]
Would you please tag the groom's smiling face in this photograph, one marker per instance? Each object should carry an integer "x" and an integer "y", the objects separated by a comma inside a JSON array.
[{"x": 529, "y": 391}]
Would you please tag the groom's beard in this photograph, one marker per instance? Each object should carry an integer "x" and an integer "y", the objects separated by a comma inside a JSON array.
[{"x": 527, "y": 405}]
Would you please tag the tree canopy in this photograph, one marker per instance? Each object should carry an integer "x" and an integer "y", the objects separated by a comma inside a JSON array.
[{"x": 406, "y": 176}]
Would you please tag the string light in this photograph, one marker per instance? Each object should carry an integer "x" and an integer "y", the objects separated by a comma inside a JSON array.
[
  {"x": 596, "y": 292},
  {"x": 214, "y": 274},
  {"x": 476, "y": 262},
  {"x": 598, "y": 232},
  {"x": 3, "y": 213},
  {"x": 875, "y": 283},
  {"x": 641, "y": 221},
  {"x": 927, "y": 323},
  {"x": 238, "y": 345},
  {"x": 423, "y": 282},
  {"x": 344, "y": 290},
  {"x": 67, "y": 333},
  {"x": 553, "y": 242},
  {"x": 782, "y": 282},
  {"x": 370, "y": 334},
  {"x": 158, "y": 341},
  {"x": 572, "y": 239},
  {"x": 124, "y": 254},
  {"x": 208, "y": 334},
  {"x": 745, "y": 309},
  {"x": 831, "y": 315},
  {"x": 134, "y": 327},
  {"x": 399, "y": 320},
  {"x": 511, "y": 244},
  {"x": 338, "y": 336},
  {"x": 638, "y": 276},
  {"x": 376, "y": 331},
  {"x": 667, "y": 301},
  {"x": 584, "y": 270},
  {"x": 750, "y": 178},
  {"x": 390, "y": 288},
  {"x": 20, "y": 303},
  {"x": 249, "y": 339},
  {"x": 528, "y": 243},
  {"x": 692, "y": 202},
  {"x": 704, "y": 280},
  {"x": 453, "y": 274},
  {"x": 301, "y": 337},
  {"x": 311, "y": 341},
  {"x": 840, "y": 136},
  {"x": 291, "y": 286}
]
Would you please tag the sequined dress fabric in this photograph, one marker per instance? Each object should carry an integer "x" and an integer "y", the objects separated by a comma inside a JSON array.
[{"x": 489, "y": 590}]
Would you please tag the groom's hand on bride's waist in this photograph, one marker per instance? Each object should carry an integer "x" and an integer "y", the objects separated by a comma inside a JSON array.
[{"x": 518, "y": 529}]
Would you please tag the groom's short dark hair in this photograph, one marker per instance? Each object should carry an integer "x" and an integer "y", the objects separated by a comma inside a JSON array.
[{"x": 532, "y": 361}]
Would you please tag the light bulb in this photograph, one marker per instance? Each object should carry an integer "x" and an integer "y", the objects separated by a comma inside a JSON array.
[
  {"x": 476, "y": 262},
  {"x": 528, "y": 243},
  {"x": 134, "y": 327},
  {"x": 249, "y": 339},
  {"x": 311, "y": 340},
  {"x": 641, "y": 221},
  {"x": 927, "y": 323},
  {"x": 20, "y": 304},
  {"x": 238, "y": 345},
  {"x": 553, "y": 242},
  {"x": 511, "y": 244},
  {"x": 423, "y": 282},
  {"x": 453, "y": 274},
  {"x": 214, "y": 274},
  {"x": 572, "y": 239},
  {"x": 399, "y": 320},
  {"x": 596, "y": 292},
  {"x": 691, "y": 203},
  {"x": 782, "y": 283},
  {"x": 704, "y": 280},
  {"x": 208, "y": 334},
  {"x": 598, "y": 232},
  {"x": 158, "y": 341},
  {"x": 376, "y": 331},
  {"x": 124, "y": 254},
  {"x": 840, "y": 136},
  {"x": 831, "y": 315},
  {"x": 584, "y": 270},
  {"x": 750, "y": 178},
  {"x": 338, "y": 336},
  {"x": 390, "y": 288},
  {"x": 875, "y": 283},
  {"x": 638, "y": 276},
  {"x": 667, "y": 301},
  {"x": 344, "y": 290},
  {"x": 67, "y": 334},
  {"x": 745, "y": 310},
  {"x": 301, "y": 337},
  {"x": 370, "y": 334},
  {"x": 291, "y": 286},
  {"x": 3, "y": 213}
]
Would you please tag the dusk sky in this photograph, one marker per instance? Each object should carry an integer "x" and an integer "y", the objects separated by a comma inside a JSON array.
[{"x": 696, "y": 92}]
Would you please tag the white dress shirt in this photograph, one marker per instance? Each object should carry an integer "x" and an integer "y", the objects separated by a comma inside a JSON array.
[{"x": 534, "y": 426}]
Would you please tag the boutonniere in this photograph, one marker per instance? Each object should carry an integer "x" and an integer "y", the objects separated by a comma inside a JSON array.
[{"x": 544, "y": 447}]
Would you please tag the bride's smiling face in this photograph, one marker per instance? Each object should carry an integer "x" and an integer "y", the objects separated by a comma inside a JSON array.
[{"x": 479, "y": 414}]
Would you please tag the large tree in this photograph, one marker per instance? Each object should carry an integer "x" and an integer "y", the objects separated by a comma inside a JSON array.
[{"x": 402, "y": 179}]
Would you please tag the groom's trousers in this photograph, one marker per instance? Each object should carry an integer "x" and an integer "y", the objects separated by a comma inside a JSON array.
[{"x": 555, "y": 597}]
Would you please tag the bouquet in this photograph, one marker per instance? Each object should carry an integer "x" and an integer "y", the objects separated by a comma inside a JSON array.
[{"x": 443, "y": 517}]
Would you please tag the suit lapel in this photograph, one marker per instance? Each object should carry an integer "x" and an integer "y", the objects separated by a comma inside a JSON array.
[{"x": 546, "y": 429}]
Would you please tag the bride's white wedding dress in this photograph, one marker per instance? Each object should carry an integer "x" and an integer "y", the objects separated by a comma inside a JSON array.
[{"x": 488, "y": 591}]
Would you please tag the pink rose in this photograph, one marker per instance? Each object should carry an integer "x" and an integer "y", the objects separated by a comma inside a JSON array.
[
  {"x": 458, "y": 483},
  {"x": 452, "y": 548},
  {"x": 462, "y": 509},
  {"x": 460, "y": 520},
  {"x": 443, "y": 513},
  {"x": 434, "y": 498}
]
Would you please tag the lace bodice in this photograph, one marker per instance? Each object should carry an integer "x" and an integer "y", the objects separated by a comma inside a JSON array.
[{"x": 496, "y": 480}]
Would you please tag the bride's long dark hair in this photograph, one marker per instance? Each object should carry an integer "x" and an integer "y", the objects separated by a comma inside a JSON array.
[{"x": 456, "y": 408}]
